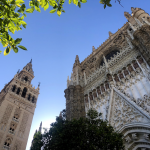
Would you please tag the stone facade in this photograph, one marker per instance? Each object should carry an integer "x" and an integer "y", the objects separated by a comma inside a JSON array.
[
  {"x": 115, "y": 80},
  {"x": 17, "y": 105}
]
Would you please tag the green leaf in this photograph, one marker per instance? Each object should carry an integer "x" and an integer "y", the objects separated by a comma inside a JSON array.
[
  {"x": 15, "y": 49},
  {"x": 102, "y": 2},
  {"x": 19, "y": 1},
  {"x": 24, "y": 14},
  {"x": 79, "y": 4},
  {"x": 52, "y": 2},
  {"x": 22, "y": 47},
  {"x": 7, "y": 51},
  {"x": 16, "y": 14},
  {"x": 109, "y": 5},
  {"x": 104, "y": 6},
  {"x": 37, "y": 9},
  {"x": 84, "y": 1},
  {"x": 11, "y": 25},
  {"x": 63, "y": 11},
  {"x": 30, "y": 10},
  {"x": 53, "y": 10},
  {"x": 0, "y": 51},
  {"x": 18, "y": 40},
  {"x": 46, "y": 6},
  {"x": 22, "y": 18},
  {"x": 12, "y": 2},
  {"x": 12, "y": 30},
  {"x": 22, "y": 22},
  {"x": 15, "y": 20},
  {"x": 31, "y": 3},
  {"x": 70, "y": 1}
]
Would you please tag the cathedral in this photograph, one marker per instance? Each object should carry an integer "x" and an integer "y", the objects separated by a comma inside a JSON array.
[
  {"x": 17, "y": 105},
  {"x": 115, "y": 80}
]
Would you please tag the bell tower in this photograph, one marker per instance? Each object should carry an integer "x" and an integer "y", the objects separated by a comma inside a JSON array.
[{"x": 17, "y": 105}]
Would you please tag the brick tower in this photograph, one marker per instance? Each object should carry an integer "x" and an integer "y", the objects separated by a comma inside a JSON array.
[{"x": 17, "y": 105}]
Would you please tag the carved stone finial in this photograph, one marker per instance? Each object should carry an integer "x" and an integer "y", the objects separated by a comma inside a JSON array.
[
  {"x": 110, "y": 34},
  {"x": 31, "y": 61},
  {"x": 18, "y": 71},
  {"x": 77, "y": 58},
  {"x": 77, "y": 62},
  {"x": 93, "y": 48},
  {"x": 133, "y": 9},
  {"x": 127, "y": 15}
]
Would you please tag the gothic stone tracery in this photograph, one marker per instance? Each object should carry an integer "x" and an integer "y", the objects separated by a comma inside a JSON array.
[{"x": 115, "y": 80}]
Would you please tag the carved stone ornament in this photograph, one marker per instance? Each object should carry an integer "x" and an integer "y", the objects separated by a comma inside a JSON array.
[{"x": 123, "y": 112}]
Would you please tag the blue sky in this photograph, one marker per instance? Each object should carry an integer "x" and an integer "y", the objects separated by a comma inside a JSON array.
[{"x": 53, "y": 42}]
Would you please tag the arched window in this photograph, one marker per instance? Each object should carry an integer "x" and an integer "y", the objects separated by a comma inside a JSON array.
[
  {"x": 16, "y": 116},
  {"x": 7, "y": 142},
  {"x": 29, "y": 96},
  {"x": 18, "y": 91},
  {"x": 12, "y": 127},
  {"x": 26, "y": 78},
  {"x": 14, "y": 88},
  {"x": 33, "y": 99},
  {"x": 109, "y": 55},
  {"x": 24, "y": 92}
]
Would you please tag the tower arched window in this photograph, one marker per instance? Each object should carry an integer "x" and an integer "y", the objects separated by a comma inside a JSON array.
[
  {"x": 18, "y": 91},
  {"x": 33, "y": 99},
  {"x": 14, "y": 88},
  {"x": 7, "y": 142},
  {"x": 109, "y": 56},
  {"x": 26, "y": 79},
  {"x": 16, "y": 116},
  {"x": 12, "y": 127},
  {"x": 29, "y": 96},
  {"x": 24, "y": 92}
]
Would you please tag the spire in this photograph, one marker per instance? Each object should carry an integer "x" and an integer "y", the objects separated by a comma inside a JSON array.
[
  {"x": 127, "y": 15},
  {"x": 31, "y": 61},
  {"x": 134, "y": 10},
  {"x": 18, "y": 71},
  {"x": 77, "y": 62},
  {"x": 93, "y": 48},
  {"x": 110, "y": 34},
  {"x": 28, "y": 68},
  {"x": 40, "y": 128}
]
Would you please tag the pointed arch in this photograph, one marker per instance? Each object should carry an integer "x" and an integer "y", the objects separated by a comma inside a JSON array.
[
  {"x": 18, "y": 91},
  {"x": 24, "y": 92},
  {"x": 14, "y": 88}
]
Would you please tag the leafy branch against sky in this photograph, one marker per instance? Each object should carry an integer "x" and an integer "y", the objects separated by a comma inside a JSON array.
[{"x": 12, "y": 13}]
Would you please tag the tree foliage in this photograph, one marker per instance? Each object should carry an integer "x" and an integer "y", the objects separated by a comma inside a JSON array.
[
  {"x": 12, "y": 13},
  {"x": 37, "y": 141},
  {"x": 90, "y": 133}
]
